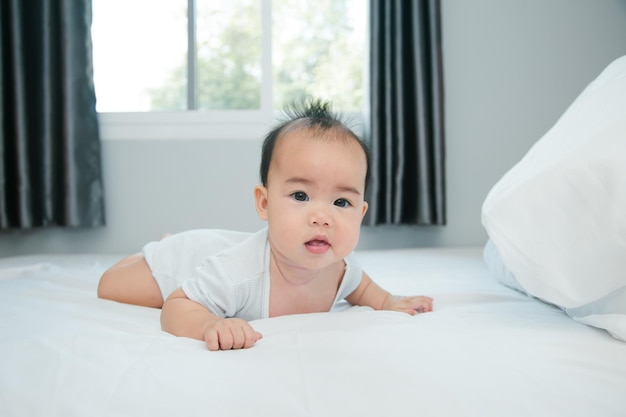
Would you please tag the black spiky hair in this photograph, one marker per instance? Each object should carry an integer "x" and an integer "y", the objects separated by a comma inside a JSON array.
[{"x": 310, "y": 113}]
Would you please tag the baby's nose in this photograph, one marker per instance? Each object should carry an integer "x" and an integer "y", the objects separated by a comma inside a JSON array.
[{"x": 320, "y": 217}]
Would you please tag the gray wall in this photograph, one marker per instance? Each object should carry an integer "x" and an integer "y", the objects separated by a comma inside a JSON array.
[{"x": 511, "y": 68}]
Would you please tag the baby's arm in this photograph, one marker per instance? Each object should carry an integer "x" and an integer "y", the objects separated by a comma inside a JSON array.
[
  {"x": 371, "y": 295},
  {"x": 182, "y": 317}
]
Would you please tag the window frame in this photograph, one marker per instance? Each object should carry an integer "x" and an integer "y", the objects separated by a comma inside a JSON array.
[
  {"x": 201, "y": 124},
  {"x": 214, "y": 124}
]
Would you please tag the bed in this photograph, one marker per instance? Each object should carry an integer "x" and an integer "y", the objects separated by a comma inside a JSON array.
[
  {"x": 533, "y": 323},
  {"x": 486, "y": 350}
]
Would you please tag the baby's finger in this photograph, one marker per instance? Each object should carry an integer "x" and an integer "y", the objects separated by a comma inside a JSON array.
[
  {"x": 211, "y": 338},
  {"x": 413, "y": 302},
  {"x": 425, "y": 301},
  {"x": 238, "y": 337},
  {"x": 423, "y": 307},
  {"x": 251, "y": 337},
  {"x": 226, "y": 338}
]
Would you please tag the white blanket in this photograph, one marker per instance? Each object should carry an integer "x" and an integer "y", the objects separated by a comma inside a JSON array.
[{"x": 486, "y": 350}]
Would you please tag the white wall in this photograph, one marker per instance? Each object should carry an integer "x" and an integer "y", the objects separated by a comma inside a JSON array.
[{"x": 511, "y": 68}]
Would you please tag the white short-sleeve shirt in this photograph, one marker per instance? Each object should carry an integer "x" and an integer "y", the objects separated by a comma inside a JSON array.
[{"x": 227, "y": 272}]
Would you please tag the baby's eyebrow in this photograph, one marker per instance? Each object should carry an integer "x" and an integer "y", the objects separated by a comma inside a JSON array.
[
  {"x": 348, "y": 189},
  {"x": 298, "y": 180},
  {"x": 341, "y": 188}
]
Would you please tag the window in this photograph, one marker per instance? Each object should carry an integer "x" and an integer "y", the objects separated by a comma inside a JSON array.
[{"x": 246, "y": 59}]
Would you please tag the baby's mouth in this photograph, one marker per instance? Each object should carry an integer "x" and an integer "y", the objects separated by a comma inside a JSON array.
[{"x": 317, "y": 245}]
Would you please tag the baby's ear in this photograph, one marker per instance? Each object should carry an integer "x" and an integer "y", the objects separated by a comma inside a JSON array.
[
  {"x": 365, "y": 206},
  {"x": 260, "y": 198}
]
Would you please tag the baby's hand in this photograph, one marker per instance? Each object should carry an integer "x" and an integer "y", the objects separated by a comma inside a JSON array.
[
  {"x": 410, "y": 305},
  {"x": 228, "y": 334}
]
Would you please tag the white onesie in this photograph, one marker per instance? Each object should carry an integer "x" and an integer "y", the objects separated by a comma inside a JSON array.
[{"x": 225, "y": 271}]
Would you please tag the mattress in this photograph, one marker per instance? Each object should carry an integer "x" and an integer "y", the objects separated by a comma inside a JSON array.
[{"x": 485, "y": 350}]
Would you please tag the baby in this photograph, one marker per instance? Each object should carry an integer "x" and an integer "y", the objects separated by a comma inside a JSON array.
[{"x": 314, "y": 172}]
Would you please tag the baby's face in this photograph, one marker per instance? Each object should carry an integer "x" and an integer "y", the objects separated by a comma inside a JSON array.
[{"x": 314, "y": 200}]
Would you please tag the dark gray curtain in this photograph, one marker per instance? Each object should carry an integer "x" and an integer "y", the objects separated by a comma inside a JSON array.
[
  {"x": 406, "y": 132},
  {"x": 50, "y": 172}
]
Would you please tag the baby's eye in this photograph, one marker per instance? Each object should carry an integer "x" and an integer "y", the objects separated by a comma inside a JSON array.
[
  {"x": 341, "y": 202},
  {"x": 300, "y": 196}
]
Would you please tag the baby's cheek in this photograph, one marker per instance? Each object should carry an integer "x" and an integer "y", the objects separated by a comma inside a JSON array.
[{"x": 350, "y": 238}]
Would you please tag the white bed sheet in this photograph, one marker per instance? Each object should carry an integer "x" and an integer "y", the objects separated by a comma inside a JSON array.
[{"x": 486, "y": 350}]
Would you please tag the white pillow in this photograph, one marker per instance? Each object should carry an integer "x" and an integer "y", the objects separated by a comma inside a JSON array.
[{"x": 558, "y": 217}]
